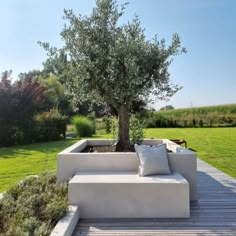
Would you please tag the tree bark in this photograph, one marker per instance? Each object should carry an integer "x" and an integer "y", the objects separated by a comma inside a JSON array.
[{"x": 123, "y": 136}]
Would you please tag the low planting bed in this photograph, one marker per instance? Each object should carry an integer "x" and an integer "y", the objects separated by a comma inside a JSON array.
[{"x": 33, "y": 206}]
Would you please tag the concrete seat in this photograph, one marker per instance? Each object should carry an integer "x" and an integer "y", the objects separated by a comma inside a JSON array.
[{"x": 126, "y": 195}]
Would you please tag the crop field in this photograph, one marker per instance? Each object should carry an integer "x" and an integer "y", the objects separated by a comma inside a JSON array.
[
  {"x": 220, "y": 109},
  {"x": 216, "y": 146},
  {"x": 212, "y": 116}
]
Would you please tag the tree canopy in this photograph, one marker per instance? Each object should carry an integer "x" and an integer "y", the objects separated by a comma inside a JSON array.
[
  {"x": 20, "y": 101},
  {"x": 115, "y": 63}
]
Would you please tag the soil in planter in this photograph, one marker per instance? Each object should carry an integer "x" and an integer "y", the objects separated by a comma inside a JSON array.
[{"x": 107, "y": 148}]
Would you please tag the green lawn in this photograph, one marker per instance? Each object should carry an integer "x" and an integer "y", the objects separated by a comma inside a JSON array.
[
  {"x": 20, "y": 161},
  {"x": 217, "y": 146}
]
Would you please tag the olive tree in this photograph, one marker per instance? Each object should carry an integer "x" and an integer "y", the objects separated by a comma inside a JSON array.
[{"x": 115, "y": 63}]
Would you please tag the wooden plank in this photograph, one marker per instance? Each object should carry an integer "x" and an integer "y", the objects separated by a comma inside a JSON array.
[{"x": 213, "y": 214}]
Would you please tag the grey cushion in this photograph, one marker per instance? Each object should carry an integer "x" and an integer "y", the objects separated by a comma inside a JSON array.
[{"x": 153, "y": 160}]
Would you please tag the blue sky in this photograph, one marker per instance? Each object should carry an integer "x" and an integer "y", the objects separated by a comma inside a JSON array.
[{"x": 207, "y": 29}]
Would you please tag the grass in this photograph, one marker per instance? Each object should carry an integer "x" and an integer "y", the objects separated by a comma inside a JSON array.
[
  {"x": 216, "y": 146},
  {"x": 20, "y": 161}
]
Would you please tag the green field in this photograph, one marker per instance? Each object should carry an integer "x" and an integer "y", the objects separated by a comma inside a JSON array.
[
  {"x": 220, "y": 109},
  {"x": 217, "y": 146},
  {"x": 211, "y": 116}
]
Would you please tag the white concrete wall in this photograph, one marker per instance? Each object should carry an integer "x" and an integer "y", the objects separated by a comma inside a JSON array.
[
  {"x": 67, "y": 224},
  {"x": 69, "y": 162},
  {"x": 186, "y": 164}
]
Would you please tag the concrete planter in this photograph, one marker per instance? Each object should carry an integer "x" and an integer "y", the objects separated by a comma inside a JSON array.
[
  {"x": 72, "y": 160},
  {"x": 104, "y": 175},
  {"x": 66, "y": 225}
]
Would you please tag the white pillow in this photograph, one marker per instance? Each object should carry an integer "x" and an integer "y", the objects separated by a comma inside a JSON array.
[{"x": 153, "y": 160}]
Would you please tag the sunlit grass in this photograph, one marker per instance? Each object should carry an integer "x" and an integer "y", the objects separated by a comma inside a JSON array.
[
  {"x": 216, "y": 146},
  {"x": 20, "y": 161}
]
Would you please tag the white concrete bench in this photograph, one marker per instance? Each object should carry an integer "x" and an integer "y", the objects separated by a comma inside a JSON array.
[
  {"x": 72, "y": 160},
  {"x": 126, "y": 195}
]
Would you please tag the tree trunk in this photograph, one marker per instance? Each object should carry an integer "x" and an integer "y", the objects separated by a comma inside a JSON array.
[{"x": 123, "y": 137}]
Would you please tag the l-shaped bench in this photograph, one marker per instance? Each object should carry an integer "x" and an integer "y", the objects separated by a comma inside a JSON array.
[{"x": 106, "y": 185}]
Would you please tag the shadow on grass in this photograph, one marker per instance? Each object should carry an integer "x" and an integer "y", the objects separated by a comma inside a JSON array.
[{"x": 36, "y": 148}]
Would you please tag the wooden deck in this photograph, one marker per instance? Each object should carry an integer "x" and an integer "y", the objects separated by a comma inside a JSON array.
[{"x": 213, "y": 214}]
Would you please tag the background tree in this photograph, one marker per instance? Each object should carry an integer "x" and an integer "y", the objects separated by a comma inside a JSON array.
[
  {"x": 115, "y": 63},
  {"x": 168, "y": 107},
  {"x": 34, "y": 74},
  {"x": 56, "y": 66},
  {"x": 20, "y": 101},
  {"x": 53, "y": 77},
  {"x": 54, "y": 94}
]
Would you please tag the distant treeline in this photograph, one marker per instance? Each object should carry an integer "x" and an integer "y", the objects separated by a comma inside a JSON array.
[{"x": 211, "y": 116}]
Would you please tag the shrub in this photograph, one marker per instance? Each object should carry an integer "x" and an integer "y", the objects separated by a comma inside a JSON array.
[
  {"x": 49, "y": 126},
  {"x": 108, "y": 124},
  {"x": 10, "y": 134},
  {"x": 201, "y": 124},
  {"x": 92, "y": 118},
  {"x": 114, "y": 129},
  {"x": 33, "y": 206},
  {"x": 20, "y": 101},
  {"x": 100, "y": 124},
  {"x": 150, "y": 123},
  {"x": 136, "y": 130},
  {"x": 83, "y": 126}
]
